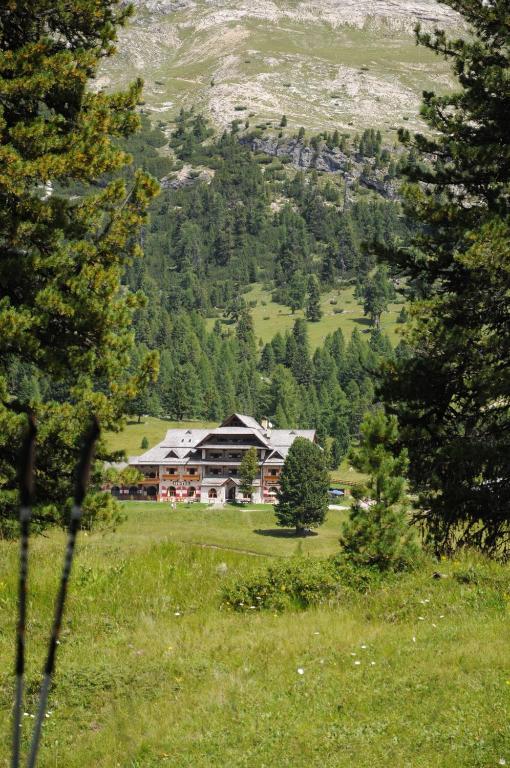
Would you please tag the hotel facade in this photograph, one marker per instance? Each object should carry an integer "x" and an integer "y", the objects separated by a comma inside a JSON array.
[{"x": 203, "y": 464}]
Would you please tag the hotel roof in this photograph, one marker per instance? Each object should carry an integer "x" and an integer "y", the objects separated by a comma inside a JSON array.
[{"x": 179, "y": 444}]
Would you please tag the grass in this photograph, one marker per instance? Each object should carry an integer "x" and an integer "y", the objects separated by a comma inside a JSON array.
[
  {"x": 269, "y": 318},
  {"x": 251, "y": 528},
  {"x": 153, "y": 672}
]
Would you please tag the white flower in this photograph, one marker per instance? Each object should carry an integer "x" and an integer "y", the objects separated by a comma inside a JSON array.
[
  {"x": 421, "y": 618},
  {"x": 300, "y": 671},
  {"x": 414, "y": 639},
  {"x": 363, "y": 646},
  {"x": 501, "y": 761},
  {"x": 177, "y": 613},
  {"x": 372, "y": 663},
  {"x": 353, "y": 654},
  {"x": 357, "y": 663}
]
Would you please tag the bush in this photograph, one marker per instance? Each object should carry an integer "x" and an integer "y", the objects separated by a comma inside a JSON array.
[
  {"x": 144, "y": 444},
  {"x": 296, "y": 583}
]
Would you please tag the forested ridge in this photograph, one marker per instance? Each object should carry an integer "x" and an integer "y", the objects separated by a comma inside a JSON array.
[
  {"x": 253, "y": 220},
  {"x": 237, "y": 219}
]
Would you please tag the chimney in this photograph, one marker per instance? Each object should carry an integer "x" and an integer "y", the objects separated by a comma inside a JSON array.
[{"x": 264, "y": 423}]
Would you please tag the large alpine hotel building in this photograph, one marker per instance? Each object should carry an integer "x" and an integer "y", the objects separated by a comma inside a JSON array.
[{"x": 203, "y": 464}]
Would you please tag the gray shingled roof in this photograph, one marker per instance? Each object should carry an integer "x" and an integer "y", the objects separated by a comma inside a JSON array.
[
  {"x": 248, "y": 421},
  {"x": 182, "y": 442}
]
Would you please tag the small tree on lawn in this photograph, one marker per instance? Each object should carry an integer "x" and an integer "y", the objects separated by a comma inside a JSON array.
[
  {"x": 248, "y": 471},
  {"x": 304, "y": 483},
  {"x": 144, "y": 444},
  {"x": 378, "y": 533}
]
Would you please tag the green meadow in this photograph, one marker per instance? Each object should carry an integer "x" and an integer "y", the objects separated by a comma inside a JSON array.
[
  {"x": 153, "y": 670},
  {"x": 340, "y": 310}
]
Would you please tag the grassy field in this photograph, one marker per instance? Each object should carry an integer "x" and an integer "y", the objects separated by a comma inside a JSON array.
[
  {"x": 251, "y": 529},
  {"x": 152, "y": 671},
  {"x": 269, "y": 317}
]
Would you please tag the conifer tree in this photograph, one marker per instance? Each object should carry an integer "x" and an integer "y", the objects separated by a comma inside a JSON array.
[
  {"x": 378, "y": 533},
  {"x": 313, "y": 302},
  {"x": 303, "y": 493},
  {"x": 377, "y": 293},
  {"x": 296, "y": 292},
  {"x": 450, "y": 388},
  {"x": 62, "y": 257},
  {"x": 248, "y": 471}
]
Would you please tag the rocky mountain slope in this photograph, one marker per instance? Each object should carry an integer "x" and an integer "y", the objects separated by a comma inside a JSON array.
[{"x": 323, "y": 63}]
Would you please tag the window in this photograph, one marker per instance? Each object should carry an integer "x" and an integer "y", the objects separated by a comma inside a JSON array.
[
  {"x": 192, "y": 471},
  {"x": 213, "y": 494},
  {"x": 171, "y": 491},
  {"x": 191, "y": 491}
]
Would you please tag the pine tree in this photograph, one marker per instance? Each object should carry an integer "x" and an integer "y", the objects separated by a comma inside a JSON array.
[
  {"x": 313, "y": 305},
  {"x": 296, "y": 292},
  {"x": 450, "y": 388},
  {"x": 303, "y": 493},
  {"x": 378, "y": 533},
  {"x": 377, "y": 293},
  {"x": 248, "y": 471},
  {"x": 63, "y": 256}
]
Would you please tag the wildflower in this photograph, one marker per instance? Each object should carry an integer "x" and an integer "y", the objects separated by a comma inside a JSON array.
[
  {"x": 177, "y": 613},
  {"x": 372, "y": 663},
  {"x": 300, "y": 671},
  {"x": 501, "y": 761},
  {"x": 434, "y": 625},
  {"x": 357, "y": 663},
  {"x": 364, "y": 647},
  {"x": 414, "y": 639},
  {"x": 421, "y": 618}
]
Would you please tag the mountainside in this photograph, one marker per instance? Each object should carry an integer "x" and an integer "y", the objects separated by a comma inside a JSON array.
[{"x": 324, "y": 64}]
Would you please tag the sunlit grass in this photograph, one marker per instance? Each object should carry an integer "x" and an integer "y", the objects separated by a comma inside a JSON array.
[{"x": 152, "y": 671}]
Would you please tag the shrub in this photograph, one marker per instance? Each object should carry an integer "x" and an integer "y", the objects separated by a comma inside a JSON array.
[
  {"x": 144, "y": 444},
  {"x": 296, "y": 583}
]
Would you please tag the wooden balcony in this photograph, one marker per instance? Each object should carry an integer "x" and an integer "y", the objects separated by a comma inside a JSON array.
[{"x": 196, "y": 478}]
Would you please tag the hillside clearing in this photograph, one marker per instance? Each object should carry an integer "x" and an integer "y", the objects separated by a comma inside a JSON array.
[{"x": 345, "y": 313}]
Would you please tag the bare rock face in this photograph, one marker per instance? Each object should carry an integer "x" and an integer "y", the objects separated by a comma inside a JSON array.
[{"x": 325, "y": 159}]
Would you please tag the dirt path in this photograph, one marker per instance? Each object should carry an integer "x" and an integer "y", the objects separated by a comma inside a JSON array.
[{"x": 250, "y": 552}]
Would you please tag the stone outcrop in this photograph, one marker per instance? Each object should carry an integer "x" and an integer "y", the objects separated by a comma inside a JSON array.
[{"x": 323, "y": 159}]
